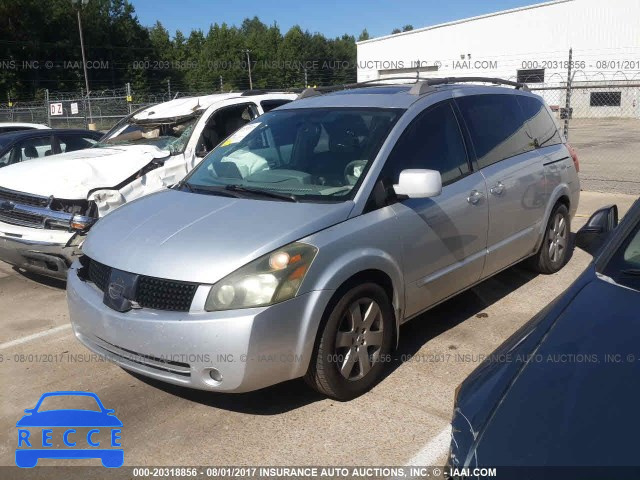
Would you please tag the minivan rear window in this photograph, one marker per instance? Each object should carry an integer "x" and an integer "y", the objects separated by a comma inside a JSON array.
[{"x": 497, "y": 127}]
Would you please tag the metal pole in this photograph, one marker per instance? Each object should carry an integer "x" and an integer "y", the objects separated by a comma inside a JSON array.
[
  {"x": 48, "y": 106},
  {"x": 249, "y": 64},
  {"x": 84, "y": 106},
  {"x": 84, "y": 65},
  {"x": 221, "y": 84},
  {"x": 169, "y": 87},
  {"x": 306, "y": 81},
  {"x": 129, "y": 99},
  {"x": 567, "y": 106}
]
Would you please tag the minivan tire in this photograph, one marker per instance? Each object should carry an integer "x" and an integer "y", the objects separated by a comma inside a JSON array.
[
  {"x": 554, "y": 251},
  {"x": 352, "y": 348}
]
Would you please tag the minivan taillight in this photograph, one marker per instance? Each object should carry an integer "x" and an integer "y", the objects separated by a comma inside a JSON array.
[{"x": 574, "y": 157}]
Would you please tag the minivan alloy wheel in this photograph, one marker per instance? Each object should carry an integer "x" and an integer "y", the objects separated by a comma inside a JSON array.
[
  {"x": 354, "y": 341},
  {"x": 555, "y": 246},
  {"x": 359, "y": 338},
  {"x": 557, "y": 237}
]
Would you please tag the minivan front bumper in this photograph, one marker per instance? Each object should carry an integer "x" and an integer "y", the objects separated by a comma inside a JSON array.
[{"x": 229, "y": 351}]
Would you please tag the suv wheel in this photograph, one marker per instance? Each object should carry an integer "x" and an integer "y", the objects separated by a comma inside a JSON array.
[
  {"x": 554, "y": 250},
  {"x": 352, "y": 347}
]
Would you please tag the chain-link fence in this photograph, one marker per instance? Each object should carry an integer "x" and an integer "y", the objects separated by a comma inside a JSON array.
[
  {"x": 100, "y": 109},
  {"x": 602, "y": 122}
]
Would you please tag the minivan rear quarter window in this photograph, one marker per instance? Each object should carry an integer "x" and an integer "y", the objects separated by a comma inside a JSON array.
[
  {"x": 496, "y": 126},
  {"x": 539, "y": 123}
]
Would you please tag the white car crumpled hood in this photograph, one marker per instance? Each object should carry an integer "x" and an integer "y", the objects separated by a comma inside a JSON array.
[{"x": 73, "y": 175}]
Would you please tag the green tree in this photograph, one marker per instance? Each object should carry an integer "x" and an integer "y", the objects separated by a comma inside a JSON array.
[{"x": 364, "y": 35}]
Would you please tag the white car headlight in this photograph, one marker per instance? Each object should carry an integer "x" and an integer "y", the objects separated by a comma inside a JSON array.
[{"x": 270, "y": 279}]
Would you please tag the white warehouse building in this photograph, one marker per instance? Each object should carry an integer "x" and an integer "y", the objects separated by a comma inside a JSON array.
[{"x": 529, "y": 44}]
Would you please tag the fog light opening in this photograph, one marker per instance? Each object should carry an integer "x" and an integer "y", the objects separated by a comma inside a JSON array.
[{"x": 215, "y": 375}]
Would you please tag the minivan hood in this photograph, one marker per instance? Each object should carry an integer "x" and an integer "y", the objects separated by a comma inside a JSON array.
[
  {"x": 202, "y": 238},
  {"x": 73, "y": 175}
]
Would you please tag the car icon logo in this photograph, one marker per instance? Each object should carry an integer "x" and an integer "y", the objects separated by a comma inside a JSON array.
[{"x": 80, "y": 433}]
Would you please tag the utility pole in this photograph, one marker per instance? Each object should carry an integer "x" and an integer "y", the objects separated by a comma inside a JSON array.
[
  {"x": 80, "y": 4},
  {"x": 48, "y": 105},
  {"x": 567, "y": 107},
  {"x": 129, "y": 97},
  {"x": 247, "y": 51}
]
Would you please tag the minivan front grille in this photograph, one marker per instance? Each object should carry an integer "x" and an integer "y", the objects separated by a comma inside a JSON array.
[
  {"x": 151, "y": 292},
  {"x": 99, "y": 274},
  {"x": 165, "y": 294}
]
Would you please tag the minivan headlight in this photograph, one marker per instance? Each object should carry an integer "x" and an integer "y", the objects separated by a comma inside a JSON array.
[{"x": 270, "y": 279}]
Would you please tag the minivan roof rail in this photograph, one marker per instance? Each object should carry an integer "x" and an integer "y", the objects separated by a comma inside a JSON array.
[{"x": 421, "y": 85}]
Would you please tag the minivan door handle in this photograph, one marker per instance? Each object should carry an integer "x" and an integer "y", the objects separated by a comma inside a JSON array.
[
  {"x": 474, "y": 197},
  {"x": 497, "y": 189}
]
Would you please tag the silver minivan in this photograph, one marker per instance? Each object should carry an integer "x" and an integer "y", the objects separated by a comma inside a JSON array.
[{"x": 301, "y": 243}]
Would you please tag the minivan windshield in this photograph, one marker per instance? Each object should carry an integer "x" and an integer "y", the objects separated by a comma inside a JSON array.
[
  {"x": 305, "y": 154},
  {"x": 166, "y": 134}
]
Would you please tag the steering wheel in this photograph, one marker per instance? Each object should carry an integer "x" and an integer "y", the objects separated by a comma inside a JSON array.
[{"x": 353, "y": 171}]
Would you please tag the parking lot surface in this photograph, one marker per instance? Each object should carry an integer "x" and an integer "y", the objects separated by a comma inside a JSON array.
[
  {"x": 402, "y": 420},
  {"x": 609, "y": 153}
]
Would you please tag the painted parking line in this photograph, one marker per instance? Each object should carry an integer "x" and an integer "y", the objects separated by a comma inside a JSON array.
[
  {"x": 434, "y": 452},
  {"x": 35, "y": 336}
]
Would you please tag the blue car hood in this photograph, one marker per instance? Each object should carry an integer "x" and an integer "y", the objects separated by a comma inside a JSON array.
[{"x": 576, "y": 401}]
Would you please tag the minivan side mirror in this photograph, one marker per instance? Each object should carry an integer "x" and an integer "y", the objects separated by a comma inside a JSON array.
[
  {"x": 594, "y": 234},
  {"x": 419, "y": 183}
]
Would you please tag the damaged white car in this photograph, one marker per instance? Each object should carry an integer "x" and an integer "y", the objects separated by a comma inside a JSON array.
[{"x": 47, "y": 205}]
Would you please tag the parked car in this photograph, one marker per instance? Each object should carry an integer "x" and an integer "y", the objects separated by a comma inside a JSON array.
[
  {"x": 562, "y": 391},
  {"x": 301, "y": 243},
  {"x": 25, "y": 145},
  {"x": 49, "y": 205},
  {"x": 6, "y": 127}
]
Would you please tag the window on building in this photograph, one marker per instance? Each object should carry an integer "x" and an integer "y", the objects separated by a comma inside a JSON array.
[
  {"x": 605, "y": 99},
  {"x": 534, "y": 75}
]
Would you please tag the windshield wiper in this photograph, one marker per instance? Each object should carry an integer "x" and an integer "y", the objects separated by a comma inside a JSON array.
[
  {"x": 632, "y": 272},
  {"x": 183, "y": 183},
  {"x": 215, "y": 190},
  {"x": 265, "y": 193}
]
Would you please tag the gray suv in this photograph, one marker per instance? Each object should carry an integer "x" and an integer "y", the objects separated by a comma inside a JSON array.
[{"x": 300, "y": 244}]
